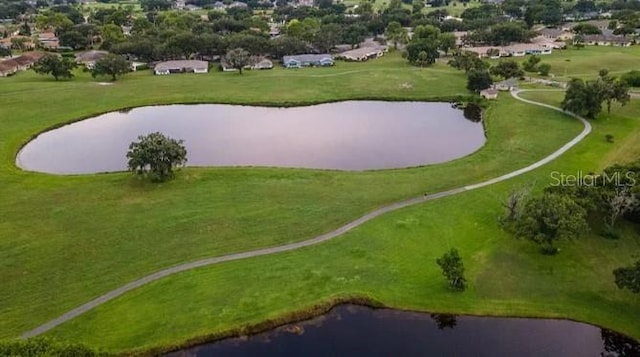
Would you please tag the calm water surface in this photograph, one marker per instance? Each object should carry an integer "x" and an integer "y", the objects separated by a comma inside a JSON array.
[
  {"x": 359, "y": 331},
  {"x": 354, "y": 135}
]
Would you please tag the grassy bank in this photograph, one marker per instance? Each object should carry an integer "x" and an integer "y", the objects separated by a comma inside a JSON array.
[
  {"x": 391, "y": 260},
  {"x": 65, "y": 240}
]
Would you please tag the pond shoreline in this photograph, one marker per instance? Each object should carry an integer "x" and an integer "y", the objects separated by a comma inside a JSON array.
[
  {"x": 317, "y": 311},
  {"x": 353, "y": 136},
  {"x": 268, "y": 104}
]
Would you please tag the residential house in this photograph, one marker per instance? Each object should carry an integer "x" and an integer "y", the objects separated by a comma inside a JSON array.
[
  {"x": 89, "y": 58},
  {"x": 261, "y": 63},
  {"x": 48, "y": 40},
  {"x": 489, "y": 93},
  {"x": 606, "y": 40},
  {"x": 8, "y": 67},
  {"x": 307, "y": 60},
  {"x": 515, "y": 50},
  {"x": 19, "y": 63},
  {"x": 506, "y": 85},
  {"x": 238, "y": 4},
  {"x": 183, "y": 66},
  {"x": 556, "y": 34},
  {"x": 363, "y": 53}
]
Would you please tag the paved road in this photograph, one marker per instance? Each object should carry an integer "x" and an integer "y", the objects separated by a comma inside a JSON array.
[{"x": 319, "y": 239}]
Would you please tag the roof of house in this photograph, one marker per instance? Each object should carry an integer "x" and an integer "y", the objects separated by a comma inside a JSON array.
[
  {"x": 307, "y": 58},
  {"x": 46, "y": 36},
  {"x": 511, "y": 82},
  {"x": 179, "y": 65},
  {"x": 27, "y": 58},
  {"x": 551, "y": 32},
  {"x": 598, "y": 23},
  {"x": 490, "y": 91},
  {"x": 362, "y": 52},
  {"x": 90, "y": 56},
  {"x": 8, "y": 66},
  {"x": 605, "y": 38}
]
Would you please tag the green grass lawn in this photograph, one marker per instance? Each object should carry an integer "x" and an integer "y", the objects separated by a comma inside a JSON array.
[
  {"x": 392, "y": 260},
  {"x": 586, "y": 62},
  {"x": 67, "y": 239}
]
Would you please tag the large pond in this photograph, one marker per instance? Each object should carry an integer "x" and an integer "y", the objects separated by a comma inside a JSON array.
[
  {"x": 354, "y": 135},
  {"x": 350, "y": 330}
]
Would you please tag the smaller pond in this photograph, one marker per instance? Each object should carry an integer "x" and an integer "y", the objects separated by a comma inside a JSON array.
[
  {"x": 353, "y": 135},
  {"x": 350, "y": 330}
]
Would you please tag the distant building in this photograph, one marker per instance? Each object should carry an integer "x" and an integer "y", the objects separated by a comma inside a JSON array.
[
  {"x": 363, "y": 53},
  {"x": 606, "y": 40},
  {"x": 169, "y": 67},
  {"x": 489, "y": 93},
  {"x": 20, "y": 63},
  {"x": 307, "y": 61},
  {"x": 261, "y": 63},
  {"x": 89, "y": 58}
]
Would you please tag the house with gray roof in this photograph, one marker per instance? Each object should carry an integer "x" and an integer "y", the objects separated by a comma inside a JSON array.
[
  {"x": 181, "y": 67},
  {"x": 307, "y": 60},
  {"x": 607, "y": 40}
]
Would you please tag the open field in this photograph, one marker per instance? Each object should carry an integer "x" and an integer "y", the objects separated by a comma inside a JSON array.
[
  {"x": 391, "y": 260},
  {"x": 586, "y": 62},
  {"x": 65, "y": 240}
]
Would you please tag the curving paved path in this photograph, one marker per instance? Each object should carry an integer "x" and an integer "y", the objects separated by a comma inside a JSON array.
[{"x": 319, "y": 239}]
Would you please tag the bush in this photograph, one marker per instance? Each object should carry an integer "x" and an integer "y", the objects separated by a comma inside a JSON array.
[
  {"x": 36, "y": 347},
  {"x": 631, "y": 78}
]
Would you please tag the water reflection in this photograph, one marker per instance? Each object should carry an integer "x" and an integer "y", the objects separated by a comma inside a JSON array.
[
  {"x": 350, "y": 330},
  {"x": 617, "y": 345},
  {"x": 473, "y": 112},
  {"x": 356, "y": 135},
  {"x": 445, "y": 320}
]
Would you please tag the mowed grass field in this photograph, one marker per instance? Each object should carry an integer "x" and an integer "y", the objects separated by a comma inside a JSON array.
[
  {"x": 586, "y": 62},
  {"x": 67, "y": 239},
  {"x": 392, "y": 260}
]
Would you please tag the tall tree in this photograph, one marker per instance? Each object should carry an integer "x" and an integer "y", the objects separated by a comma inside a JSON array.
[
  {"x": 586, "y": 98},
  {"x": 354, "y": 34},
  {"x": 396, "y": 34},
  {"x": 447, "y": 41},
  {"x": 550, "y": 218},
  {"x": 478, "y": 79},
  {"x": 507, "y": 69},
  {"x": 237, "y": 58},
  {"x": 111, "y": 65},
  {"x": 58, "y": 67},
  {"x": 156, "y": 156},
  {"x": 453, "y": 269},
  {"x": 328, "y": 37}
]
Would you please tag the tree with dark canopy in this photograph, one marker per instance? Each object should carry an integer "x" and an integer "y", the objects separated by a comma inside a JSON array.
[
  {"x": 58, "y": 67},
  {"x": 111, "y": 65},
  {"x": 453, "y": 269},
  {"x": 156, "y": 156}
]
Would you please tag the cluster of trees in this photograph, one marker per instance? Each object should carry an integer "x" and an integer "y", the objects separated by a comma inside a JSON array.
[
  {"x": 57, "y": 66},
  {"x": 586, "y": 97},
  {"x": 499, "y": 35},
  {"x": 532, "y": 64},
  {"x": 426, "y": 43},
  {"x": 479, "y": 73},
  {"x": 561, "y": 212}
]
